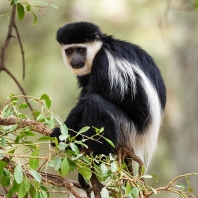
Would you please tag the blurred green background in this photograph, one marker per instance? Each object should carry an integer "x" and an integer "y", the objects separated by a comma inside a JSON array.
[{"x": 167, "y": 30}]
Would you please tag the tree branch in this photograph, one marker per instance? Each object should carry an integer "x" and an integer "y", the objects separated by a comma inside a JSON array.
[
  {"x": 8, "y": 37},
  {"x": 4, "y": 48},
  {"x": 21, "y": 48},
  {"x": 18, "y": 84},
  {"x": 36, "y": 126},
  {"x": 167, "y": 187}
]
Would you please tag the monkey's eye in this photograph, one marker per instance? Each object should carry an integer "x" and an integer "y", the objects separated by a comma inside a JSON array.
[
  {"x": 81, "y": 50},
  {"x": 68, "y": 51}
]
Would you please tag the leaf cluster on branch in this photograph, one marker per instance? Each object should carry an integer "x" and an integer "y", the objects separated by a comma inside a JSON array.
[{"x": 26, "y": 166}]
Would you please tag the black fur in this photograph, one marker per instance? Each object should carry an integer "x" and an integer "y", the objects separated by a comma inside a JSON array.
[{"x": 99, "y": 105}]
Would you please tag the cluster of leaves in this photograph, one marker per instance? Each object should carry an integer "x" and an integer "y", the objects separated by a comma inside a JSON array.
[
  {"x": 24, "y": 157},
  {"x": 14, "y": 140},
  {"x": 27, "y": 6}
]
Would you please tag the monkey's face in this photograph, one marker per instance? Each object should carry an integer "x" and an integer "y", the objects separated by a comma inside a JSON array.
[{"x": 79, "y": 57}]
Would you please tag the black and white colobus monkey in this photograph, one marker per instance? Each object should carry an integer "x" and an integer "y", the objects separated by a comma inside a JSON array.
[{"x": 122, "y": 90}]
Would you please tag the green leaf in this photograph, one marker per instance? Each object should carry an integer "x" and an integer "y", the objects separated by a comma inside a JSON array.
[
  {"x": 37, "y": 194},
  {"x": 180, "y": 186},
  {"x": 24, "y": 188},
  {"x": 84, "y": 129},
  {"x": 154, "y": 176},
  {"x": 2, "y": 166},
  {"x": 9, "y": 194},
  {"x": 43, "y": 194},
  {"x": 99, "y": 173},
  {"x": 36, "y": 175},
  {"x": 35, "y": 19},
  {"x": 72, "y": 165},
  {"x": 5, "y": 178},
  {"x": 45, "y": 191},
  {"x": 51, "y": 122},
  {"x": 44, "y": 138},
  {"x": 41, "y": 2},
  {"x": 147, "y": 176},
  {"x": 114, "y": 167},
  {"x": 62, "y": 145},
  {"x": 48, "y": 103},
  {"x": 13, "y": 2},
  {"x": 85, "y": 172},
  {"x": 74, "y": 148},
  {"x": 4, "y": 109},
  {"x": 57, "y": 163},
  {"x": 15, "y": 186},
  {"x": 97, "y": 130},
  {"x": 77, "y": 156},
  {"x": 189, "y": 187},
  {"x": 104, "y": 170},
  {"x": 110, "y": 142},
  {"x": 20, "y": 11},
  {"x": 14, "y": 99},
  {"x": 104, "y": 193},
  {"x": 28, "y": 7},
  {"x": 128, "y": 189},
  {"x": 18, "y": 174},
  {"x": 64, "y": 167},
  {"x": 54, "y": 6},
  {"x": 23, "y": 105},
  {"x": 64, "y": 130},
  {"x": 33, "y": 162},
  {"x": 135, "y": 192},
  {"x": 32, "y": 191},
  {"x": 3, "y": 142},
  {"x": 86, "y": 159},
  {"x": 101, "y": 130},
  {"x": 44, "y": 97}
]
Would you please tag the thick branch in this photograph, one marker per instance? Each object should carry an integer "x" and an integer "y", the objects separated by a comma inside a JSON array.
[
  {"x": 36, "y": 126},
  {"x": 97, "y": 186}
]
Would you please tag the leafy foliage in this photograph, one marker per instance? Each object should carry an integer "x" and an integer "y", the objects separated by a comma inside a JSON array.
[
  {"x": 23, "y": 160},
  {"x": 24, "y": 6}
]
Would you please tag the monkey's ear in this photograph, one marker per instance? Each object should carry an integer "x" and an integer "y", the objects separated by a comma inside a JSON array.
[{"x": 97, "y": 37}]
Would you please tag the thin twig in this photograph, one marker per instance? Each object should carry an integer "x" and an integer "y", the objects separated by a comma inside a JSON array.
[
  {"x": 8, "y": 37},
  {"x": 20, "y": 87},
  {"x": 4, "y": 48},
  {"x": 21, "y": 48},
  {"x": 167, "y": 187}
]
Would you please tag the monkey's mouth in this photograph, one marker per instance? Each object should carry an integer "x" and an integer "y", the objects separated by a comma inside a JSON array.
[{"x": 78, "y": 66}]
